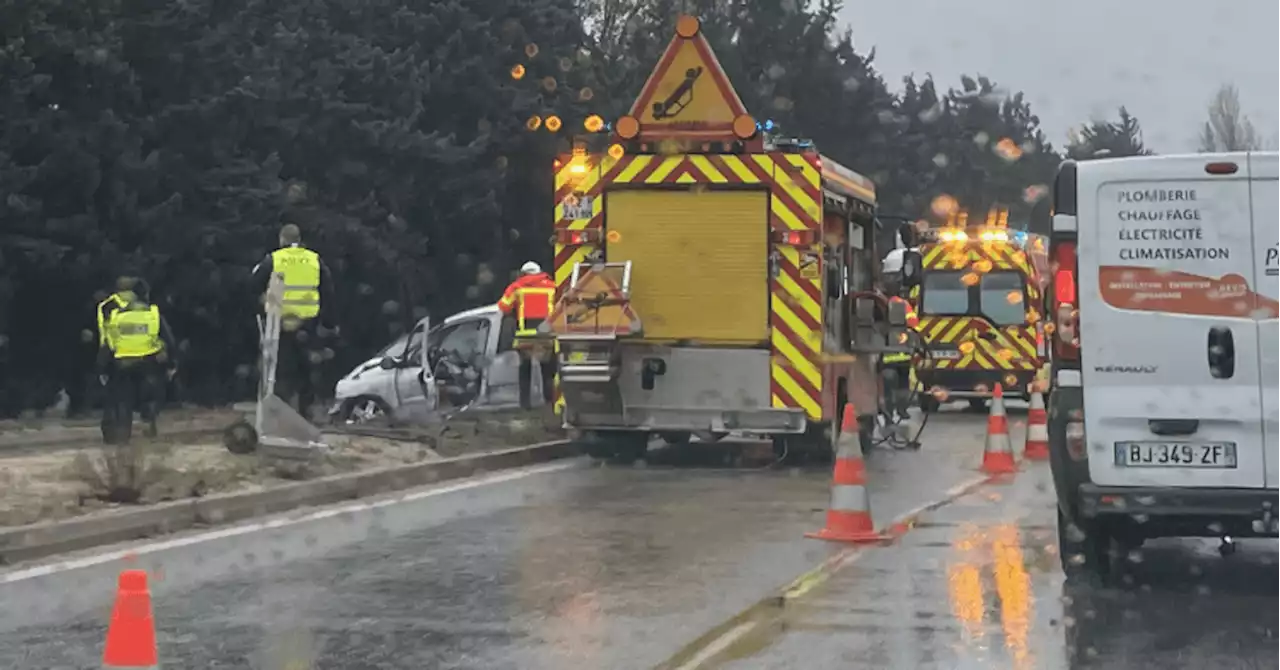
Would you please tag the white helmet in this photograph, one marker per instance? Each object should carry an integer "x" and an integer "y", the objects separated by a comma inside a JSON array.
[{"x": 530, "y": 268}]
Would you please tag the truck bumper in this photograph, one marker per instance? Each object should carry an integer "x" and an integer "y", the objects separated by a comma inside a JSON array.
[{"x": 975, "y": 383}]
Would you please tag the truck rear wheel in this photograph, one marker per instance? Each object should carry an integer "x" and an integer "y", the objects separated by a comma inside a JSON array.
[{"x": 622, "y": 446}]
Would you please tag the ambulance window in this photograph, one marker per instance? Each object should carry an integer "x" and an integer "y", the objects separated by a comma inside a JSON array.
[
  {"x": 942, "y": 292},
  {"x": 1002, "y": 296}
]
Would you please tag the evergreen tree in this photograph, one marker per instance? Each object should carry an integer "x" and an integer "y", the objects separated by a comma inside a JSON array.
[{"x": 1108, "y": 139}]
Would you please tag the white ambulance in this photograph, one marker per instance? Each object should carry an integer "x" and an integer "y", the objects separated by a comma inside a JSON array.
[{"x": 1163, "y": 304}]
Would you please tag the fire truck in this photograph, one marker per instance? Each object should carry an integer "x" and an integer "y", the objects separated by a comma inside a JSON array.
[
  {"x": 713, "y": 277},
  {"x": 979, "y": 303}
]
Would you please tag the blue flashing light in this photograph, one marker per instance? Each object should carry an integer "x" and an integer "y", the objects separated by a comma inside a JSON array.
[
  {"x": 769, "y": 125},
  {"x": 1020, "y": 237}
]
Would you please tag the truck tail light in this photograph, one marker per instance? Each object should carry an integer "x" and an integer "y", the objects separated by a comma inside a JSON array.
[
  {"x": 795, "y": 238},
  {"x": 1065, "y": 314},
  {"x": 574, "y": 238}
]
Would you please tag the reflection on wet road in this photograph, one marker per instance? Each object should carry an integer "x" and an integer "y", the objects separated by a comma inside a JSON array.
[
  {"x": 579, "y": 566},
  {"x": 978, "y": 585}
]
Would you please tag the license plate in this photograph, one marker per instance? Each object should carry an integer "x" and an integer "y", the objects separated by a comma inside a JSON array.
[
  {"x": 948, "y": 354},
  {"x": 1176, "y": 455}
]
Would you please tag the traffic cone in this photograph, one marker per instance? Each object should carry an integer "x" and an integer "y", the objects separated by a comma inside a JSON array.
[
  {"x": 997, "y": 458},
  {"x": 1036, "y": 447},
  {"x": 849, "y": 514},
  {"x": 131, "y": 637}
]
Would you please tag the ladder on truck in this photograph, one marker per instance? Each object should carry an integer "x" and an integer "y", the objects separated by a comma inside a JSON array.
[{"x": 587, "y": 323}]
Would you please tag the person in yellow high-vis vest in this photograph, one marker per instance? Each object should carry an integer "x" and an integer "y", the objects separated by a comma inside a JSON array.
[
  {"x": 137, "y": 349},
  {"x": 306, "y": 318}
]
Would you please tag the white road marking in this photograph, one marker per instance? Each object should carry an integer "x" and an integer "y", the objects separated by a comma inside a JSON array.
[{"x": 45, "y": 570}]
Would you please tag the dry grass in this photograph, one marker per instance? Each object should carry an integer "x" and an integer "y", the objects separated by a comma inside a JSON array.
[{"x": 59, "y": 484}]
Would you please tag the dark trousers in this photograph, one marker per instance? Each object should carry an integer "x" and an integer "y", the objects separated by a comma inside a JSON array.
[
  {"x": 897, "y": 387},
  {"x": 295, "y": 371},
  {"x": 132, "y": 385},
  {"x": 548, "y": 369}
]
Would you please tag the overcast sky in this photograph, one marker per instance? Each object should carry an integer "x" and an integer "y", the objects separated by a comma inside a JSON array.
[{"x": 1162, "y": 59}]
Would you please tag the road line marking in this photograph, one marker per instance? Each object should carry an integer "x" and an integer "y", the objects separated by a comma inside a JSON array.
[
  {"x": 813, "y": 578},
  {"x": 327, "y": 512},
  {"x": 719, "y": 644}
]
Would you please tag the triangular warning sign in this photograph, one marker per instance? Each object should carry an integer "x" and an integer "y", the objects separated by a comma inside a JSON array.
[
  {"x": 688, "y": 95},
  {"x": 595, "y": 305}
]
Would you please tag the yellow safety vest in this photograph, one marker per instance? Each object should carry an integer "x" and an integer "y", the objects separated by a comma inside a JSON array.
[
  {"x": 121, "y": 303},
  {"x": 534, "y": 304},
  {"x": 897, "y": 357},
  {"x": 135, "y": 332},
  {"x": 301, "y": 270}
]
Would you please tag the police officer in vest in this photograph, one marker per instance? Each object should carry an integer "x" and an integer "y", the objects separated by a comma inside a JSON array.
[
  {"x": 528, "y": 301},
  {"x": 137, "y": 350},
  {"x": 306, "y": 318}
]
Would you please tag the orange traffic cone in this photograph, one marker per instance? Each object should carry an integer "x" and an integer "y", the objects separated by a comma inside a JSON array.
[
  {"x": 997, "y": 458},
  {"x": 1036, "y": 447},
  {"x": 131, "y": 637},
  {"x": 849, "y": 515}
]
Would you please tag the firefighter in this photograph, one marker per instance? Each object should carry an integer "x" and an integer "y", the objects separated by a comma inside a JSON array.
[
  {"x": 895, "y": 367},
  {"x": 528, "y": 301},
  {"x": 306, "y": 315},
  {"x": 137, "y": 352}
]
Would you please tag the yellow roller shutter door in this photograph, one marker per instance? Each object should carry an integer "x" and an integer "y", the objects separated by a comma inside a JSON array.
[{"x": 699, "y": 262}]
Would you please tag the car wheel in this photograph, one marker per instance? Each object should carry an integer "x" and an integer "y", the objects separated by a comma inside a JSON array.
[
  {"x": 1085, "y": 547},
  {"x": 362, "y": 409},
  {"x": 977, "y": 404},
  {"x": 240, "y": 438}
]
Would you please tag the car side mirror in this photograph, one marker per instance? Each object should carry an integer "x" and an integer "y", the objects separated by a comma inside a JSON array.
[
  {"x": 911, "y": 268},
  {"x": 388, "y": 363}
]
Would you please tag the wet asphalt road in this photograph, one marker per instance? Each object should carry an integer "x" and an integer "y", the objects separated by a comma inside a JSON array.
[
  {"x": 978, "y": 584},
  {"x": 579, "y": 566},
  {"x": 576, "y": 566}
]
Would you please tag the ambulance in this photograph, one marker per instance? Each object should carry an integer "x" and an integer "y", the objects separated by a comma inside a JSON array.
[
  {"x": 979, "y": 304},
  {"x": 1163, "y": 300}
]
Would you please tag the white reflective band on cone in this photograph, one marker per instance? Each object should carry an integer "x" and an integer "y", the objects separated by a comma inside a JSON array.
[{"x": 849, "y": 498}]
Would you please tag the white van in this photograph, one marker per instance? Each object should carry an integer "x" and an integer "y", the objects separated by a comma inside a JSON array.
[{"x": 1163, "y": 412}]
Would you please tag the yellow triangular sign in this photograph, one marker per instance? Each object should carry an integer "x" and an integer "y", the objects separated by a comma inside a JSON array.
[{"x": 688, "y": 95}]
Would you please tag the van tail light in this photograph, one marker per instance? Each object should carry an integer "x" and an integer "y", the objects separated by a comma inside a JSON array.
[
  {"x": 1075, "y": 440},
  {"x": 1066, "y": 316}
]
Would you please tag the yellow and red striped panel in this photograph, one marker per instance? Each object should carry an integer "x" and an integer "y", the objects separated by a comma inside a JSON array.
[
  {"x": 1014, "y": 348},
  {"x": 794, "y": 182}
]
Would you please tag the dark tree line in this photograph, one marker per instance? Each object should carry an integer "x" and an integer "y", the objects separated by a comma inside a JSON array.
[{"x": 172, "y": 139}]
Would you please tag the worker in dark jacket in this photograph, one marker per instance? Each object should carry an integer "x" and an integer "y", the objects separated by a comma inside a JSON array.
[
  {"x": 307, "y": 312},
  {"x": 137, "y": 351}
]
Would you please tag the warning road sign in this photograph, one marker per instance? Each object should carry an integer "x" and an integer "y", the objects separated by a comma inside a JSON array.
[{"x": 688, "y": 94}]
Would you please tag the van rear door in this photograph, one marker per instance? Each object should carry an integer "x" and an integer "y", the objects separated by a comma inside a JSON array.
[
  {"x": 1263, "y": 172},
  {"x": 1169, "y": 344}
]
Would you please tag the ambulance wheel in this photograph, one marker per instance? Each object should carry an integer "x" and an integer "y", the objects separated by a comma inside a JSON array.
[
  {"x": 240, "y": 438},
  {"x": 676, "y": 437},
  {"x": 1086, "y": 548},
  {"x": 929, "y": 404},
  {"x": 977, "y": 404}
]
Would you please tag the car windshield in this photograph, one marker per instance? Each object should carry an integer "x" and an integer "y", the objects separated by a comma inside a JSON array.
[
  {"x": 1001, "y": 297},
  {"x": 943, "y": 293}
]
